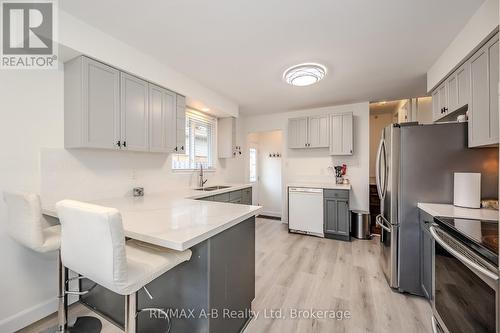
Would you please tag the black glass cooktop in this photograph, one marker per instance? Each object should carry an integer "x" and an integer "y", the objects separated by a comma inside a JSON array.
[{"x": 480, "y": 235}]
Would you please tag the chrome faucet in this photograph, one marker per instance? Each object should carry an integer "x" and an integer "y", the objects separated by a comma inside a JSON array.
[{"x": 201, "y": 181}]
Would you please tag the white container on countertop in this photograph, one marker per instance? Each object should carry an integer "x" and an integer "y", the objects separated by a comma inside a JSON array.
[{"x": 467, "y": 190}]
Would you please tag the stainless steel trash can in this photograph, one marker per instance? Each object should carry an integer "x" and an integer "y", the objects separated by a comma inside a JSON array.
[{"x": 360, "y": 227}]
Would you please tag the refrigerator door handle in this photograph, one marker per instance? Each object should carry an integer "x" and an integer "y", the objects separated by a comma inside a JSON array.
[
  {"x": 384, "y": 185},
  {"x": 377, "y": 169},
  {"x": 380, "y": 221}
]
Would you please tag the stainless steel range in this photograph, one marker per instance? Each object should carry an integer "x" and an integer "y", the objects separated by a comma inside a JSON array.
[{"x": 465, "y": 280}]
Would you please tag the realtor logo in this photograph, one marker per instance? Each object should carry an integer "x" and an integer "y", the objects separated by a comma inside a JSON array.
[{"x": 28, "y": 35}]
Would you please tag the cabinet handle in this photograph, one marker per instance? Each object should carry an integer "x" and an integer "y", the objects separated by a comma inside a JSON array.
[
  {"x": 175, "y": 148},
  {"x": 119, "y": 144},
  {"x": 182, "y": 147},
  {"x": 445, "y": 110},
  {"x": 125, "y": 144}
]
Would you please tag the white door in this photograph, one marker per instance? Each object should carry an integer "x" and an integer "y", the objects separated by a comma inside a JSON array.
[
  {"x": 134, "y": 113},
  {"x": 253, "y": 168}
]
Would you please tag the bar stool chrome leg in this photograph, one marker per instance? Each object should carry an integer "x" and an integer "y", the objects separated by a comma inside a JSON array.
[
  {"x": 62, "y": 313},
  {"x": 131, "y": 313}
]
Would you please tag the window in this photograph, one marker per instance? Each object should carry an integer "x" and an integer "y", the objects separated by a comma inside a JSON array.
[
  {"x": 200, "y": 138},
  {"x": 253, "y": 164}
]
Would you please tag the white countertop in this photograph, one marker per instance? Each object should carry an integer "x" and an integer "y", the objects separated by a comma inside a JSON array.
[
  {"x": 328, "y": 186},
  {"x": 448, "y": 210},
  {"x": 174, "y": 220}
]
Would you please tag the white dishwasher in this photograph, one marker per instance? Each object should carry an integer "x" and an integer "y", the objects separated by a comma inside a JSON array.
[{"x": 305, "y": 207}]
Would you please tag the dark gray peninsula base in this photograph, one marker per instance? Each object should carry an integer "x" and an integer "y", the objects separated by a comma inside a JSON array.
[{"x": 212, "y": 292}]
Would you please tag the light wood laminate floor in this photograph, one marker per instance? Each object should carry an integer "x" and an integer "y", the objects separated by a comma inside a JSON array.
[{"x": 296, "y": 272}]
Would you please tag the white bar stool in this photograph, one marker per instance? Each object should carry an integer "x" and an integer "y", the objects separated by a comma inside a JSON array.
[
  {"x": 93, "y": 244},
  {"x": 27, "y": 225}
]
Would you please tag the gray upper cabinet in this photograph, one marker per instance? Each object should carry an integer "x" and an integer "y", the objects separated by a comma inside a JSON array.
[
  {"x": 180, "y": 146},
  {"x": 341, "y": 134},
  {"x": 318, "y": 132},
  {"x": 297, "y": 132},
  {"x": 91, "y": 105},
  {"x": 483, "y": 108},
  {"x": 226, "y": 138},
  {"x": 436, "y": 111},
  {"x": 134, "y": 113},
  {"x": 452, "y": 93},
  {"x": 109, "y": 109},
  {"x": 463, "y": 86},
  {"x": 162, "y": 119}
]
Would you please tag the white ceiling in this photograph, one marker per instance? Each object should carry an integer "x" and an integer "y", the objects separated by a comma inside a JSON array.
[{"x": 374, "y": 49}]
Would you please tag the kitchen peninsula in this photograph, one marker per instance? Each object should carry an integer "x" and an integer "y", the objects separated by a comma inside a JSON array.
[{"x": 220, "y": 277}]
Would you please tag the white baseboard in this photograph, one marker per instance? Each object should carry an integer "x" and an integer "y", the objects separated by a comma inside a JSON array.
[
  {"x": 269, "y": 213},
  {"x": 35, "y": 313},
  {"x": 28, "y": 316}
]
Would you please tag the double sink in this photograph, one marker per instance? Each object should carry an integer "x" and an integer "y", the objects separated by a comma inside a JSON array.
[{"x": 212, "y": 188}]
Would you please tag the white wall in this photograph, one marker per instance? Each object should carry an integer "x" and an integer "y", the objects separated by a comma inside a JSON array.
[
  {"x": 269, "y": 186},
  {"x": 378, "y": 121},
  {"x": 481, "y": 24},
  {"x": 31, "y": 117},
  {"x": 312, "y": 165}
]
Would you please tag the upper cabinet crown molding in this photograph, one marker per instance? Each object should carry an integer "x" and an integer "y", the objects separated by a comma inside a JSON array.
[{"x": 110, "y": 109}]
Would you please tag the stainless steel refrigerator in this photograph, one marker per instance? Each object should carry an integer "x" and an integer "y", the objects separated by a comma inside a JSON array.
[{"x": 415, "y": 163}]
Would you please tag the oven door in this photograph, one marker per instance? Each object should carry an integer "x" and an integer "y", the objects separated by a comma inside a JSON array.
[{"x": 465, "y": 287}]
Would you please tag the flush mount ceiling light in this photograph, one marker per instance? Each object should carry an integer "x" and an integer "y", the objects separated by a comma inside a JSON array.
[{"x": 304, "y": 74}]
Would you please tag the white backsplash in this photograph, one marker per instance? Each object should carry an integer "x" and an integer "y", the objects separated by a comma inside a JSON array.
[{"x": 88, "y": 174}]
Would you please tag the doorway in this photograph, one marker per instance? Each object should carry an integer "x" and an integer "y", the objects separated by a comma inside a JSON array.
[{"x": 265, "y": 171}]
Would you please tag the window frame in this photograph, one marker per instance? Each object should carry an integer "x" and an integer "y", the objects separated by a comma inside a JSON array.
[{"x": 193, "y": 116}]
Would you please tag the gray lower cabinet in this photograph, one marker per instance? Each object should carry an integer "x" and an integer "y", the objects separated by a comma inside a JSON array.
[
  {"x": 426, "y": 251},
  {"x": 246, "y": 196},
  {"x": 337, "y": 219},
  {"x": 243, "y": 197},
  {"x": 220, "y": 276}
]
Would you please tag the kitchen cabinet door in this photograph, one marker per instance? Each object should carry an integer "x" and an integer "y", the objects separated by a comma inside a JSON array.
[
  {"x": 443, "y": 99},
  {"x": 436, "y": 111},
  {"x": 162, "y": 119},
  {"x": 226, "y": 137},
  {"x": 180, "y": 146},
  {"x": 318, "y": 132},
  {"x": 347, "y": 134},
  {"x": 426, "y": 251},
  {"x": 483, "y": 107},
  {"x": 337, "y": 221},
  {"x": 493, "y": 68},
  {"x": 341, "y": 134},
  {"x": 297, "y": 132},
  {"x": 134, "y": 113},
  {"x": 452, "y": 84},
  {"x": 91, "y": 105},
  {"x": 330, "y": 211},
  {"x": 246, "y": 198},
  {"x": 463, "y": 85}
]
